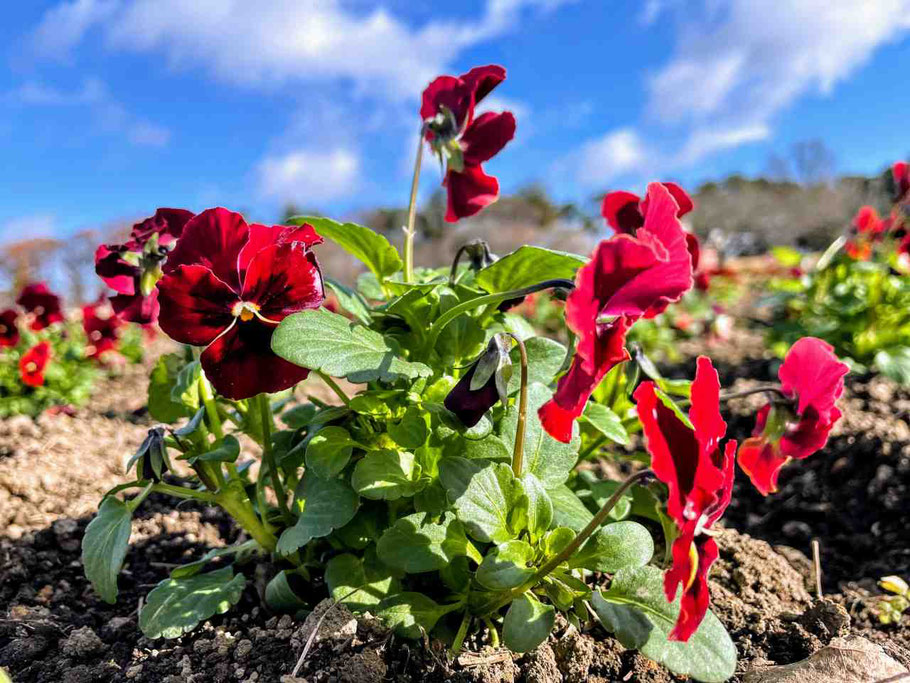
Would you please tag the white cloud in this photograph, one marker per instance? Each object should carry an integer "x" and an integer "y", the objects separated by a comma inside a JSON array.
[
  {"x": 27, "y": 227},
  {"x": 703, "y": 142},
  {"x": 147, "y": 134},
  {"x": 617, "y": 153},
  {"x": 307, "y": 175},
  {"x": 273, "y": 41}
]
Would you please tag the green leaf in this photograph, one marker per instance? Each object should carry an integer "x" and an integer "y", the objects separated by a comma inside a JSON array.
[
  {"x": 332, "y": 344},
  {"x": 489, "y": 448},
  {"x": 192, "y": 568},
  {"x": 104, "y": 546},
  {"x": 527, "y": 624},
  {"x": 602, "y": 490},
  {"x": 506, "y": 566},
  {"x": 895, "y": 363},
  {"x": 568, "y": 510},
  {"x": 411, "y": 431},
  {"x": 176, "y": 606},
  {"x": 488, "y": 500},
  {"x": 549, "y": 460},
  {"x": 615, "y": 546},
  {"x": 635, "y": 610},
  {"x": 162, "y": 380},
  {"x": 414, "y": 544},
  {"x": 350, "y": 300},
  {"x": 540, "y": 507},
  {"x": 369, "y": 247},
  {"x": 361, "y": 584},
  {"x": 280, "y": 595},
  {"x": 527, "y": 266},
  {"x": 329, "y": 451},
  {"x": 606, "y": 422},
  {"x": 223, "y": 450},
  {"x": 787, "y": 256},
  {"x": 324, "y": 505},
  {"x": 557, "y": 539},
  {"x": 385, "y": 475},
  {"x": 300, "y": 416},
  {"x": 545, "y": 359},
  {"x": 408, "y": 613}
]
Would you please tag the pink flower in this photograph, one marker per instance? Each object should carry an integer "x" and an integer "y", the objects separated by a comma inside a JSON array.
[
  {"x": 813, "y": 379},
  {"x": 688, "y": 458},
  {"x": 462, "y": 142},
  {"x": 227, "y": 285}
]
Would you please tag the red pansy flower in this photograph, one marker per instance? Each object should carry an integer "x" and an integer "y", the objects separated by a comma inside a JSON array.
[
  {"x": 43, "y": 305},
  {"x": 627, "y": 278},
  {"x": 131, "y": 269},
  {"x": 462, "y": 142},
  {"x": 812, "y": 377},
  {"x": 9, "y": 331},
  {"x": 227, "y": 285},
  {"x": 900, "y": 171},
  {"x": 33, "y": 363},
  {"x": 102, "y": 327},
  {"x": 867, "y": 229},
  {"x": 688, "y": 458}
]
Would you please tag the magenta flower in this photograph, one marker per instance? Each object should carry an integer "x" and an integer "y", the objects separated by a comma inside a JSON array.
[
  {"x": 462, "y": 142},
  {"x": 227, "y": 285}
]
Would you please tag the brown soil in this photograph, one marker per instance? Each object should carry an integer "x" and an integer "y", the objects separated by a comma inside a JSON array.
[{"x": 53, "y": 627}]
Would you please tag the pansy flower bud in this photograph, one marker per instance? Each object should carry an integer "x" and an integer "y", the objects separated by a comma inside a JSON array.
[
  {"x": 151, "y": 459},
  {"x": 485, "y": 383}
]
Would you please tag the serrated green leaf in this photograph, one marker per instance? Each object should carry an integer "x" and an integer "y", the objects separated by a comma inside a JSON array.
[
  {"x": 489, "y": 500},
  {"x": 104, "y": 546},
  {"x": 606, "y": 422},
  {"x": 507, "y": 565},
  {"x": 367, "y": 246},
  {"x": 361, "y": 584},
  {"x": 527, "y": 266},
  {"x": 616, "y": 546},
  {"x": 409, "y": 613},
  {"x": 176, "y": 606},
  {"x": 324, "y": 505},
  {"x": 549, "y": 460},
  {"x": 636, "y": 611},
  {"x": 545, "y": 359},
  {"x": 329, "y": 451},
  {"x": 321, "y": 340},
  {"x": 527, "y": 624},
  {"x": 414, "y": 544},
  {"x": 568, "y": 510},
  {"x": 350, "y": 300},
  {"x": 385, "y": 475}
]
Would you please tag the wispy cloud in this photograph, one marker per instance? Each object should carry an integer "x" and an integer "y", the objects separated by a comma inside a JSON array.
[
  {"x": 307, "y": 175},
  {"x": 619, "y": 152}
]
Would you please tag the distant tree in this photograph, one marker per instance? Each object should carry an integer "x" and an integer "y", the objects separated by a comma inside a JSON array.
[
  {"x": 814, "y": 162},
  {"x": 78, "y": 260}
]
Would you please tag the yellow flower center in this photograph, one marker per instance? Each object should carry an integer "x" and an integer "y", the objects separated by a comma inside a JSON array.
[
  {"x": 245, "y": 310},
  {"x": 31, "y": 366}
]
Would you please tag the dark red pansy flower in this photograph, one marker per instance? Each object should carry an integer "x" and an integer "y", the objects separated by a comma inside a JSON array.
[
  {"x": 43, "y": 305},
  {"x": 9, "y": 330},
  {"x": 900, "y": 171},
  {"x": 688, "y": 458},
  {"x": 812, "y": 378},
  {"x": 625, "y": 211},
  {"x": 462, "y": 142},
  {"x": 102, "y": 327},
  {"x": 132, "y": 269},
  {"x": 627, "y": 278},
  {"x": 227, "y": 285},
  {"x": 33, "y": 363}
]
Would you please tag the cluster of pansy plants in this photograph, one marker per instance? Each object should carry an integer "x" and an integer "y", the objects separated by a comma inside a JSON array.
[
  {"x": 440, "y": 491},
  {"x": 857, "y": 295},
  {"x": 49, "y": 359}
]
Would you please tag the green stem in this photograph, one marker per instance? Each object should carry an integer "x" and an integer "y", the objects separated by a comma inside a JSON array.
[
  {"x": 143, "y": 494},
  {"x": 333, "y": 385},
  {"x": 265, "y": 410},
  {"x": 450, "y": 315},
  {"x": 211, "y": 409},
  {"x": 412, "y": 213},
  {"x": 183, "y": 492},
  {"x": 518, "y": 451},
  {"x": 494, "y": 633},
  {"x": 462, "y": 632},
  {"x": 569, "y": 550},
  {"x": 246, "y": 517},
  {"x": 595, "y": 444}
]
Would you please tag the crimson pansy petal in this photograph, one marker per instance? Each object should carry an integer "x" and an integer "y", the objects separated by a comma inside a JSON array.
[
  {"x": 486, "y": 136},
  {"x": 622, "y": 211},
  {"x": 241, "y": 364},
  {"x": 212, "y": 239},
  {"x": 762, "y": 462},
  {"x": 283, "y": 279},
  {"x": 138, "y": 309},
  {"x": 9, "y": 331},
  {"x": 449, "y": 92},
  {"x": 116, "y": 273},
  {"x": 33, "y": 363},
  {"x": 901, "y": 173},
  {"x": 694, "y": 579},
  {"x": 195, "y": 305},
  {"x": 469, "y": 192},
  {"x": 262, "y": 236},
  {"x": 813, "y": 374},
  {"x": 482, "y": 79},
  {"x": 168, "y": 224}
]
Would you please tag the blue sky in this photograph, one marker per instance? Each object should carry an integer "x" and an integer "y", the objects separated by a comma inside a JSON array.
[{"x": 110, "y": 108}]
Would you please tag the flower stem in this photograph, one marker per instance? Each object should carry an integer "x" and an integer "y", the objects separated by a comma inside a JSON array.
[
  {"x": 183, "y": 492},
  {"x": 412, "y": 213},
  {"x": 462, "y": 632},
  {"x": 265, "y": 410},
  {"x": 450, "y": 315},
  {"x": 519, "y": 451},
  {"x": 570, "y": 549},
  {"x": 757, "y": 390},
  {"x": 246, "y": 517},
  {"x": 133, "y": 503},
  {"x": 333, "y": 385}
]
